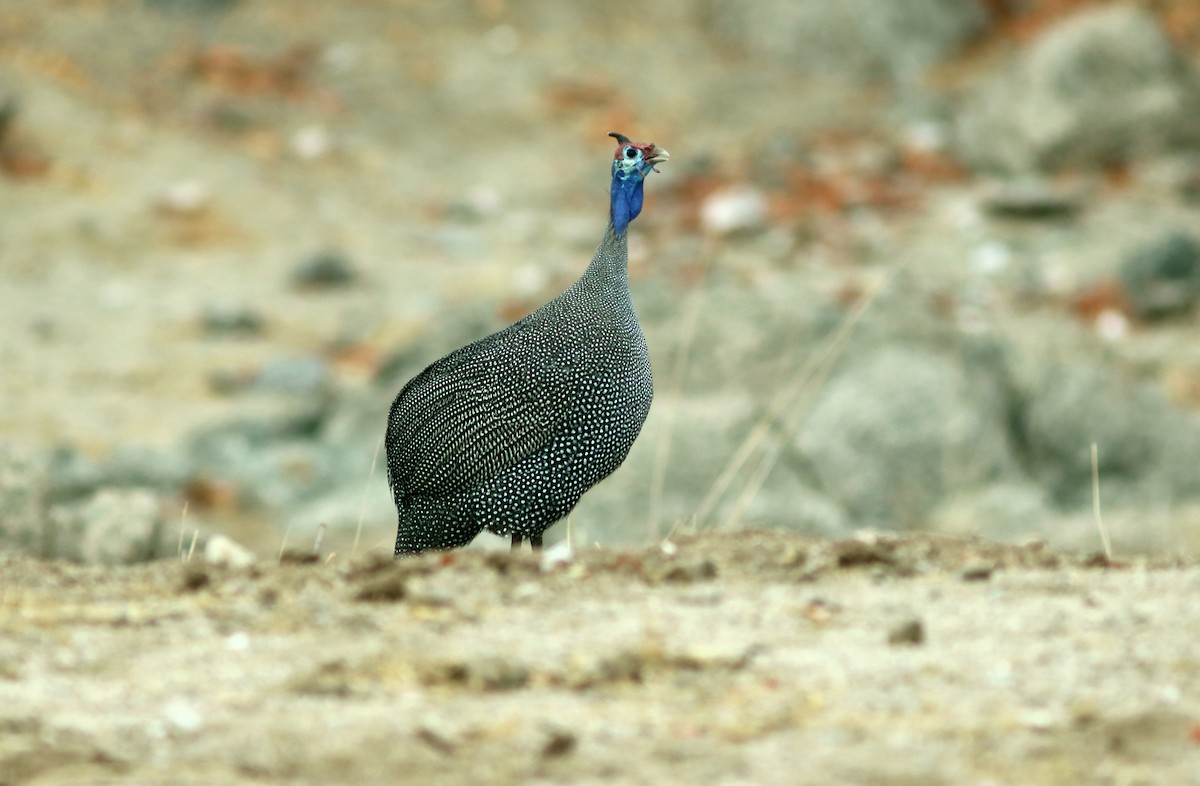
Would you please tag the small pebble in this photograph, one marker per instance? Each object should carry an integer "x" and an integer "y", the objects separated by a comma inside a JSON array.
[
  {"x": 864, "y": 551},
  {"x": 226, "y": 319},
  {"x": 195, "y": 577},
  {"x": 559, "y": 742},
  {"x": 908, "y": 632},
  {"x": 715, "y": 654},
  {"x": 1033, "y": 200},
  {"x": 185, "y": 198},
  {"x": 436, "y": 738},
  {"x": 299, "y": 557},
  {"x": 978, "y": 572},
  {"x": 331, "y": 678},
  {"x": 387, "y": 586},
  {"x": 1039, "y": 719},
  {"x": 326, "y": 270},
  {"x": 734, "y": 211},
  {"x": 229, "y": 382},
  {"x": 221, "y": 550},
  {"x": 990, "y": 258},
  {"x": 237, "y": 642},
  {"x": 183, "y": 715},
  {"x": 690, "y": 571},
  {"x": 556, "y": 556},
  {"x": 496, "y": 674},
  {"x": 311, "y": 142},
  {"x": 1112, "y": 326}
]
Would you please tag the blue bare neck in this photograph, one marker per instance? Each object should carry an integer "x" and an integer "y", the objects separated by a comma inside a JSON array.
[{"x": 626, "y": 199}]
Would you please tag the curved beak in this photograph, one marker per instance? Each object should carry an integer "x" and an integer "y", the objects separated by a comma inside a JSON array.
[{"x": 656, "y": 155}]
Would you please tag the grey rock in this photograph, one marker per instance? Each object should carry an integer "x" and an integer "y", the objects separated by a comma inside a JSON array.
[
  {"x": 145, "y": 467},
  {"x": 1163, "y": 279},
  {"x": 283, "y": 474},
  {"x": 1068, "y": 408},
  {"x": 326, "y": 270},
  {"x": 231, "y": 319},
  {"x": 1102, "y": 86},
  {"x": 293, "y": 375},
  {"x": 854, "y": 38},
  {"x": 22, "y": 501},
  {"x": 70, "y": 475},
  {"x": 910, "y": 631},
  {"x": 231, "y": 441},
  {"x": 1176, "y": 478},
  {"x": 309, "y": 466},
  {"x": 1032, "y": 199},
  {"x": 271, "y": 460},
  {"x": 286, "y": 376},
  {"x": 62, "y": 505},
  {"x": 112, "y": 527},
  {"x": 899, "y": 429}
]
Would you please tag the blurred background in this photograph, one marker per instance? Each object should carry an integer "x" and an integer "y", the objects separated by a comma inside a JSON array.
[{"x": 909, "y": 262}]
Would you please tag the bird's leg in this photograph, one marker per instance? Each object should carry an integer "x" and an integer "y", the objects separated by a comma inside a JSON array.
[
  {"x": 535, "y": 542},
  {"x": 516, "y": 542}
]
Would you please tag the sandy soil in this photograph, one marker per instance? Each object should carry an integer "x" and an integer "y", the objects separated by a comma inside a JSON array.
[
  {"x": 751, "y": 658},
  {"x": 737, "y": 659}
]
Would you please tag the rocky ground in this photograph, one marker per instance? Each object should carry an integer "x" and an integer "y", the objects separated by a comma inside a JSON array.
[
  {"x": 905, "y": 266},
  {"x": 749, "y": 658},
  {"x": 923, "y": 266}
]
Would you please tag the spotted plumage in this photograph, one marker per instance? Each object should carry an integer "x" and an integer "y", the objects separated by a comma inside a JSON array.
[{"x": 508, "y": 432}]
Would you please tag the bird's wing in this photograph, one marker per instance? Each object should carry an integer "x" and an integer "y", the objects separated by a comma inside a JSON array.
[{"x": 478, "y": 411}]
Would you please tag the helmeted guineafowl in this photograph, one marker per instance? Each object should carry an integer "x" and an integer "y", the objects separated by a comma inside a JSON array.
[{"x": 507, "y": 433}]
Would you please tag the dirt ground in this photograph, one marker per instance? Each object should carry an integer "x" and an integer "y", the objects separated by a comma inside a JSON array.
[
  {"x": 169, "y": 158},
  {"x": 748, "y": 658}
]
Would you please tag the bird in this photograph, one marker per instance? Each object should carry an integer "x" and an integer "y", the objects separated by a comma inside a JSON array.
[{"x": 506, "y": 433}]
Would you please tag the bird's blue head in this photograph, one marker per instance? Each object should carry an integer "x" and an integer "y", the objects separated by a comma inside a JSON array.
[{"x": 631, "y": 163}]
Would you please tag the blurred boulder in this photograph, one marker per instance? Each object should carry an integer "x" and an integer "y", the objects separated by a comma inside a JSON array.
[
  {"x": 1100, "y": 87},
  {"x": 1163, "y": 279},
  {"x": 112, "y": 527},
  {"x": 22, "y": 498},
  {"x": 859, "y": 39},
  {"x": 901, "y": 428},
  {"x": 140, "y": 466},
  {"x": 288, "y": 462},
  {"x": 71, "y": 476},
  {"x": 1146, "y": 448}
]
